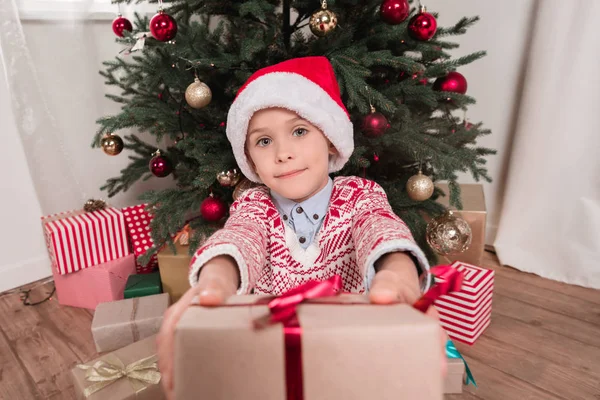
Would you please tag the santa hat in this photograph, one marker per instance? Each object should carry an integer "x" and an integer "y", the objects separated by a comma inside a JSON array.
[{"x": 306, "y": 86}]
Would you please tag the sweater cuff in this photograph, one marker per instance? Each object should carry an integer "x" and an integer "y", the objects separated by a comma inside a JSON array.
[{"x": 221, "y": 250}]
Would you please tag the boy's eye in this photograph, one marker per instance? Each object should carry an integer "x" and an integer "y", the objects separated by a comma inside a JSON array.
[
  {"x": 300, "y": 132},
  {"x": 263, "y": 142}
]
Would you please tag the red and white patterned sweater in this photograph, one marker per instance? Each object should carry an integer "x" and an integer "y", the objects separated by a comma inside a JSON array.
[{"x": 359, "y": 227}]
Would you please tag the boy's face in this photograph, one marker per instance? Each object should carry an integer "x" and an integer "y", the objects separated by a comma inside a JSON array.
[{"x": 290, "y": 155}]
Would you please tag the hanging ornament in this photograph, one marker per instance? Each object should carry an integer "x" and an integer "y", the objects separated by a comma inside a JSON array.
[
  {"x": 419, "y": 187},
  {"x": 241, "y": 187},
  {"x": 375, "y": 124},
  {"x": 453, "y": 82},
  {"x": 394, "y": 12},
  {"x": 160, "y": 165},
  {"x": 375, "y": 157},
  {"x": 448, "y": 234},
  {"x": 198, "y": 94},
  {"x": 213, "y": 209},
  {"x": 229, "y": 178},
  {"x": 112, "y": 144},
  {"x": 121, "y": 24},
  {"x": 422, "y": 26},
  {"x": 322, "y": 22},
  {"x": 163, "y": 27}
]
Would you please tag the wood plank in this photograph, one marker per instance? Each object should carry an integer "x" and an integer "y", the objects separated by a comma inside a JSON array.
[
  {"x": 548, "y": 299},
  {"x": 491, "y": 261},
  {"x": 67, "y": 394},
  {"x": 561, "y": 350},
  {"x": 534, "y": 369},
  {"x": 493, "y": 384},
  {"x": 15, "y": 383},
  {"x": 461, "y": 396},
  {"x": 44, "y": 355},
  {"x": 542, "y": 318},
  {"x": 71, "y": 323}
]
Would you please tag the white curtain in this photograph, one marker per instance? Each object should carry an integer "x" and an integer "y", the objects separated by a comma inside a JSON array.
[
  {"x": 550, "y": 220},
  {"x": 49, "y": 161}
]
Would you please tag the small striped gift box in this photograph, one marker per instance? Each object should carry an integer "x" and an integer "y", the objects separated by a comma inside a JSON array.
[
  {"x": 466, "y": 314},
  {"x": 77, "y": 239}
]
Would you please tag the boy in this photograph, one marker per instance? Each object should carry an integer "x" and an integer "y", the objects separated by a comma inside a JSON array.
[{"x": 289, "y": 129}]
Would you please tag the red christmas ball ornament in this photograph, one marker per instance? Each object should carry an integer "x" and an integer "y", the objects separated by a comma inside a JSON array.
[
  {"x": 163, "y": 27},
  {"x": 375, "y": 124},
  {"x": 453, "y": 82},
  {"x": 121, "y": 24},
  {"x": 394, "y": 12},
  {"x": 213, "y": 209},
  {"x": 422, "y": 26},
  {"x": 160, "y": 166}
]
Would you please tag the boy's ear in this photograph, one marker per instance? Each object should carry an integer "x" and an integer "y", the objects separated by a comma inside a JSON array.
[{"x": 332, "y": 150}]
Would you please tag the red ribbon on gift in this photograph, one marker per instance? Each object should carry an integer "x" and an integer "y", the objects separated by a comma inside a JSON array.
[{"x": 283, "y": 310}]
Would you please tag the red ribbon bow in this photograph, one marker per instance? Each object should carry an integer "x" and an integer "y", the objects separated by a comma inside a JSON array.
[{"x": 283, "y": 309}]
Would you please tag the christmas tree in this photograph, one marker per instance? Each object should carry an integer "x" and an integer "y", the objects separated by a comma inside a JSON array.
[{"x": 394, "y": 68}]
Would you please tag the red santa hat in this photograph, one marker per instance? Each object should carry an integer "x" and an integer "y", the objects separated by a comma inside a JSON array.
[{"x": 306, "y": 86}]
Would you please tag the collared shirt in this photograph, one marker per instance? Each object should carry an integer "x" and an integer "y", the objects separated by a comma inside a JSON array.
[{"x": 305, "y": 218}]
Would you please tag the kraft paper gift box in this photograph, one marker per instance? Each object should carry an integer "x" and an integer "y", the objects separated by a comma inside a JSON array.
[
  {"x": 137, "y": 221},
  {"x": 348, "y": 351},
  {"x": 474, "y": 213},
  {"x": 78, "y": 239},
  {"x": 139, "y": 285},
  {"x": 92, "y": 286},
  {"x": 465, "y": 314},
  {"x": 120, "y": 323},
  {"x": 455, "y": 377},
  {"x": 174, "y": 270},
  {"x": 142, "y": 384}
]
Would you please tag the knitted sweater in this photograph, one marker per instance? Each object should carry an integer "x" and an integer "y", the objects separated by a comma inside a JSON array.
[{"x": 358, "y": 229}]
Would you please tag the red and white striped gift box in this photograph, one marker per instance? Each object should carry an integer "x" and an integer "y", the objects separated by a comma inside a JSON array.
[
  {"x": 138, "y": 221},
  {"x": 465, "y": 314},
  {"x": 78, "y": 239}
]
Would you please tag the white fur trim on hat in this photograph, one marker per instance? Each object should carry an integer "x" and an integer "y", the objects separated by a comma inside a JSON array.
[{"x": 295, "y": 93}]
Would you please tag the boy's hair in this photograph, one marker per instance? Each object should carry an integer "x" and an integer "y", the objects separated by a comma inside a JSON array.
[{"x": 306, "y": 86}]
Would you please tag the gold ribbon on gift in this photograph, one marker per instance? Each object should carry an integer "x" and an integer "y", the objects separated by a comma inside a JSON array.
[
  {"x": 140, "y": 373},
  {"x": 183, "y": 236},
  {"x": 135, "y": 332}
]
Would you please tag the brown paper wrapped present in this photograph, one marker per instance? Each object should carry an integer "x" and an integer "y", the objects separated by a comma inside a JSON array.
[
  {"x": 454, "y": 380},
  {"x": 129, "y": 373},
  {"x": 174, "y": 270},
  {"x": 349, "y": 350},
  {"x": 475, "y": 214},
  {"x": 119, "y": 323}
]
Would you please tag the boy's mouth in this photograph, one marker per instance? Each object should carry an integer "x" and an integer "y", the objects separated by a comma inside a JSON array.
[{"x": 291, "y": 174}]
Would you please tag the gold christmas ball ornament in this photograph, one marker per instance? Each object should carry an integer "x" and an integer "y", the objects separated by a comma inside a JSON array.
[
  {"x": 229, "y": 178},
  {"x": 241, "y": 187},
  {"x": 112, "y": 144},
  {"x": 322, "y": 22},
  {"x": 419, "y": 187},
  {"x": 198, "y": 94},
  {"x": 449, "y": 234}
]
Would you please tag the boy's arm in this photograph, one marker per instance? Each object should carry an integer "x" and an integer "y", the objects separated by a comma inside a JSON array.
[
  {"x": 242, "y": 240},
  {"x": 378, "y": 232}
]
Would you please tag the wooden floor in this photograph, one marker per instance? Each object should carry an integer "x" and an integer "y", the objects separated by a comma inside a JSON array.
[{"x": 543, "y": 343}]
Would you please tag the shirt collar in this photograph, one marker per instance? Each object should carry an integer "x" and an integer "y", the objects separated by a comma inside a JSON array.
[{"x": 315, "y": 205}]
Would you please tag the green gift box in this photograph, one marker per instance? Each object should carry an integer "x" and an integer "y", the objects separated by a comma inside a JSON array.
[{"x": 140, "y": 285}]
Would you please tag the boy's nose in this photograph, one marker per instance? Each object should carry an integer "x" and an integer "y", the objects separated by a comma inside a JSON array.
[{"x": 284, "y": 153}]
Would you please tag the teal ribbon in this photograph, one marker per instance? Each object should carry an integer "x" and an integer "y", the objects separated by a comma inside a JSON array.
[{"x": 452, "y": 352}]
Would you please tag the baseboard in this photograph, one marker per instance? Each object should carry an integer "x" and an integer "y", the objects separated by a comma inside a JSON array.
[{"x": 15, "y": 275}]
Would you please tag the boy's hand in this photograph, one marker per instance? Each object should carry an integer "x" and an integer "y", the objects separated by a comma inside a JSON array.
[
  {"x": 219, "y": 279},
  {"x": 397, "y": 281}
]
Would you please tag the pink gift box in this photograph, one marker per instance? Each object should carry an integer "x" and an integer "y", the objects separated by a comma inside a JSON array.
[
  {"x": 92, "y": 286},
  {"x": 467, "y": 313},
  {"x": 137, "y": 222}
]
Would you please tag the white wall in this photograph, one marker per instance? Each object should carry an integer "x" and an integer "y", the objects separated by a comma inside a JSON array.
[{"x": 69, "y": 55}]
